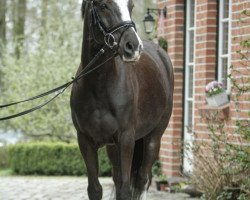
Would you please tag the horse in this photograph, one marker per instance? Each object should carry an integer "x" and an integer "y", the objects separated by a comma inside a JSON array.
[{"x": 125, "y": 104}]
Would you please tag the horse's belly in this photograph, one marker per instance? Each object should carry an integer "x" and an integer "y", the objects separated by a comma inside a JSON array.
[
  {"x": 147, "y": 125},
  {"x": 153, "y": 109}
]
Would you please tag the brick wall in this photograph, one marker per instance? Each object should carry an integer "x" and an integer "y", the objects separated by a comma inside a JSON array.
[
  {"x": 205, "y": 58},
  {"x": 206, "y": 50},
  {"x": 206, "y": 35},
  {"x": 240, "y": 32},
  {"x": 173, "y": 31}
]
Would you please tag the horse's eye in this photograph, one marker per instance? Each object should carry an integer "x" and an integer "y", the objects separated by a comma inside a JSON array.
[{"x": 103, "y": 6}]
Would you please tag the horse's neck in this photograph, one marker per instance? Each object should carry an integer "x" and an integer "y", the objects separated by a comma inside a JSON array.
[{"x": 90, "y": 48}]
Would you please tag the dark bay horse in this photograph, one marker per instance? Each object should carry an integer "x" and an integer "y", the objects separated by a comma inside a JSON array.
[{"x": 125, "y": 104}]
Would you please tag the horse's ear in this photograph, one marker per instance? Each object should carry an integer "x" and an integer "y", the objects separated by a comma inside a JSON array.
[{"x": 83, "y": 7}]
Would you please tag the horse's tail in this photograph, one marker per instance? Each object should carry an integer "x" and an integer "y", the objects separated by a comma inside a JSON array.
[{"x": 137, "y": 161}]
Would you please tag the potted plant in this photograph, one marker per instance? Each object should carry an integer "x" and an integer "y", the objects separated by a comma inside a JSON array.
[
  {"x": 160, "y": 179},
  {"x": 215, "y": 94},
  {"x": 161, "y": 182}
]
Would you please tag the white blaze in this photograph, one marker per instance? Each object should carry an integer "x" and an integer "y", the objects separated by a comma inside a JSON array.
[
  {"x": 123, "y": 6},
  {"x": 125, "y": 16}
]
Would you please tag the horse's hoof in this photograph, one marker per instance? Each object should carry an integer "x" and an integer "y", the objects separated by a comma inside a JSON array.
[{"x": 95, "y": 193}]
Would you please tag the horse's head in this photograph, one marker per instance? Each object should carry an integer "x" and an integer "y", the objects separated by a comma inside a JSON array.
[{"x": 111, "y": 24}]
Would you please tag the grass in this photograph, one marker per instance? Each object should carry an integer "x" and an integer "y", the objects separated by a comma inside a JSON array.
[{"x": 6, "y": 172}]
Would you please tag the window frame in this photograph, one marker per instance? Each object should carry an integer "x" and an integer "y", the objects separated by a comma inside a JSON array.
[
  {"x": 222, "y": 55},
  {"x": 188, "y": 136}
]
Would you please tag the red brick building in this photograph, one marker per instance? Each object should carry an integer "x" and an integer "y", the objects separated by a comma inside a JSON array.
[{"x": 203, "y": 37}]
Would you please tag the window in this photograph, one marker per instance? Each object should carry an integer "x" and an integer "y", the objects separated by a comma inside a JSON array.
[
  {"x": 189, "y": 86},
  {"x": 189, "y": 66},
  {"x": 224, "y": 43}
]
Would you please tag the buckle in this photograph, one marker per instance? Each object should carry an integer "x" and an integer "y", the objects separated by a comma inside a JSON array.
[{"x": 109, "y": 40}]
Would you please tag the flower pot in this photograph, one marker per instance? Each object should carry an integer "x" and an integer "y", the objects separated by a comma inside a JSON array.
[
  {"x": 217, "y": 100},
  {"x": 161, "y": 185}
]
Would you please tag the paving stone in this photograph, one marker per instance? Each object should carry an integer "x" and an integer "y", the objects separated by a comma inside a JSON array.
[{"x": 64, "y": 188}]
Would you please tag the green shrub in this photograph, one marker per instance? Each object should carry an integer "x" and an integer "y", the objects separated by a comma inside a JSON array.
[
  {"x": 4, "y": 157},
  {"x": 222, "y": 165},
  {"x": 104, "y": 163},
  {"x": 163, "y": 43},
  {"x": 49, "y": 159}
]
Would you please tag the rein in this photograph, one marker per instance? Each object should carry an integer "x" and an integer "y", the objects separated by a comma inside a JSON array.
[
  {"x": 108, "y": 40},
  {"x": 85, "y": 71}
]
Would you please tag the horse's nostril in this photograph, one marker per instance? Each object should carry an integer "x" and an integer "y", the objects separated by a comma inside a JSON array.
[{"x": 129, "y": 48}]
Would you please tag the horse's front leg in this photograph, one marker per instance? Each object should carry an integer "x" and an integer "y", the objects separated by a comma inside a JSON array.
[
  {"x": 89, "y": 153},
  {"x": 126, "y": 149},
  {"x": 113, "y": 154}
]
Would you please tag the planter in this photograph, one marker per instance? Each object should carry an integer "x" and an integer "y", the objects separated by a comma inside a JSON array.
[
  {"x": 218, "y": 99},
  {"x": 161, "y": 185}
]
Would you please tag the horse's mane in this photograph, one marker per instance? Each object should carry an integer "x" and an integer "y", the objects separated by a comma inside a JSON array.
[{"x": 83, "y": 7}]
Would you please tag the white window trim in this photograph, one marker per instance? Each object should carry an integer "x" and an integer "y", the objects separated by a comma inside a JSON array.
[
  {"x": 220, "y": 52},
  {"x": 187, "y": 63},
  {"x": 187, "y": 135}
]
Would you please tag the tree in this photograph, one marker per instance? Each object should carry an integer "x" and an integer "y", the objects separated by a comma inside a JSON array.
[
  {"x": 19, "y": 24},
  {"x": 44, "y": 15},
  {"x": 53, "y": 35},
  {"x": 49, "y": 61},
  {"x": 2, "y": 21},
  {"x": 2, "y": 32}
]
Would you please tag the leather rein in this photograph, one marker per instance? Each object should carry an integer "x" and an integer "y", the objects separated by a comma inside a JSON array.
[{"x": 109, "y": 42}]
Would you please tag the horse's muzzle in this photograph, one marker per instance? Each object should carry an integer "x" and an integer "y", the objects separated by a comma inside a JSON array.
[{"x": 130, "y": 46}]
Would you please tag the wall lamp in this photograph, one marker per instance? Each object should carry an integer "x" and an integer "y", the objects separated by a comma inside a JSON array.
[{"x": 149, "y": 21}]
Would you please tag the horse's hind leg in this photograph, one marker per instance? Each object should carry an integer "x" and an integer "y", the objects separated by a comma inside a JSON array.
[
  {"x": 150, "y": 154},
  {"x": 89, "y": 153}
]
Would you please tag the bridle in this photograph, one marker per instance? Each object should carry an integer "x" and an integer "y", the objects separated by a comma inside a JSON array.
[
  {"x": 108, "y": 33},
  {"x": 109, "y": 42}
]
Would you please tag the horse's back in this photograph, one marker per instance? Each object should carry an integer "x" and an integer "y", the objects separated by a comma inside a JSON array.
[{"x": 155, "y": 82}]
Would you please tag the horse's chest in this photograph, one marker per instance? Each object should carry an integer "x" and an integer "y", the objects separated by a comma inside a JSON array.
[{"x": 98, "y": 122}]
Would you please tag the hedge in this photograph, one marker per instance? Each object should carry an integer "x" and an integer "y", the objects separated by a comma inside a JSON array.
[
  {"x": 52, "y": 159},
  {"x": 4, "y": 157}
]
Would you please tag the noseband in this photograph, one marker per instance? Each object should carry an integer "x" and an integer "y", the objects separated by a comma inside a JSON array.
[{"x": 108, "y": 33}]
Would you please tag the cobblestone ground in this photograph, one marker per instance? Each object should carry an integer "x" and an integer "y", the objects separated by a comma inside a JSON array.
[{"x": 64, "y": 188}]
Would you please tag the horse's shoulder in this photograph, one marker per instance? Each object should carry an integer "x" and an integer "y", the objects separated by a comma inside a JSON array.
[
  {"x": 158, "y": 55},
  {"x": 155, "y": 52},
  {"x": 154, "y": 49},
  {"x": 149, "y": 45}
]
